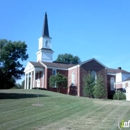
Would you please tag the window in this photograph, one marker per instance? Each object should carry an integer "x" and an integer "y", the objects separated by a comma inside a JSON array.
[
  {"x": 36, "y": 76},
  {"x": 54, "y": 72},
  {"x": 112, "y": 80},
  {"x": 73, "y": 78},
  {"x": 94, "y": 74},
  {"x": 47, "y": 44}
]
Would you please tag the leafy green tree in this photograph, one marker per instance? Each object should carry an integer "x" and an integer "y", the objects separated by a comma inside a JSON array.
[
  {"x": 11, "y": 53},
  {"x": 88, "y": 85},
  {"x": 68, "y": 59},
  {"x": 59, "y": 81},
  {"x": 99, "y": 90}
]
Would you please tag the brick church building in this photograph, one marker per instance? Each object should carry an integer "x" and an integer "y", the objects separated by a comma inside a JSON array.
[{"x": 37, "y": 74}]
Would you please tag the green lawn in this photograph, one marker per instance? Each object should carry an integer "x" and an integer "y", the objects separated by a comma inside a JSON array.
[{"x": 58, "y": 111}]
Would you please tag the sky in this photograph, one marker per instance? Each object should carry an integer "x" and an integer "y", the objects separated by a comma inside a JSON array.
[{"x": 85, "y": 28}]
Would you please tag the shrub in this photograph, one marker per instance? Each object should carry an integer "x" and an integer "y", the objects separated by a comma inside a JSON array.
[
  {"x": 58, "y": 81},
  {"x": 119, "y": 95}
]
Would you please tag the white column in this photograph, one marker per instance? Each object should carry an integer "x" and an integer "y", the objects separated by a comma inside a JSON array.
[
  {"x": 38, "y": 79},
  {"x": 31, "y": 81},
  {"x": 34, "y": 79},
  {"x": 25, "y": 82}
]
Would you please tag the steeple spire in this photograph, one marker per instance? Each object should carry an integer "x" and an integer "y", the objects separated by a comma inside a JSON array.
[
  {"x": 45, "y": 31},
  {"x": 45, "y": 52}
]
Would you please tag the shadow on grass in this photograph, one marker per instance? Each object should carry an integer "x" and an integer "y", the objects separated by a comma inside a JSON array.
[{"x": 19, "y": 95}]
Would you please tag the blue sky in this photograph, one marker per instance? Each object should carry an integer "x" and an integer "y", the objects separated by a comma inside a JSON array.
[{"x": 87, "y": 28}]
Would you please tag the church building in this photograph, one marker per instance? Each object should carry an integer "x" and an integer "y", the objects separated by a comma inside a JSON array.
[{"x": 37, "y": 73}]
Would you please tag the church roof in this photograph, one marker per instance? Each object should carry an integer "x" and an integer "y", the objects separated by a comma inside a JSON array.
[
  {"x": 45, "y": 31},
  {"x": 52, "y": 65},
  {"x": 91, "y": 60},
  {"x": 58, "y": 65},
  {"x": 110, "y": 70},
  {"x": 36, "y": 64}
]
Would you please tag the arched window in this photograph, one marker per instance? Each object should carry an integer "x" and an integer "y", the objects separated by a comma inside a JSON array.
[
  {"x": 73, "y": 78},
  {"x": 112, "y": 80},
  {"x": 47, "y": 44},
  {"x": 94, "y": 74}
]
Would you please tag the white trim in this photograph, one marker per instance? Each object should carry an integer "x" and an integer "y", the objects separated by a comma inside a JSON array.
[
  {"x": 57, "y": 68},
  {"x": 30, "y": 70},
  {"x": 34, "y": 79},
  {"x": 28, "y": 81},
  {"x": 38, "y": 52},
  {"x": 73, "y": 78},
  {"x": 63, "y": 68},
  {"x": 35, "y": 68},
  {"x": 74, "y": 67},
  {"x": 31, "y": 81},
  {"x": 30, "y": 66},
  {"x": 25, "y": 82},
  {"x": 44, "y": 50},
  {"x": 42, "y": 64},
  {"x": 111, "y": 74}
]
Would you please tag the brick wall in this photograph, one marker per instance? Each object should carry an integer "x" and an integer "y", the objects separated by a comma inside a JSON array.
[{"x": 92, "y": 66}]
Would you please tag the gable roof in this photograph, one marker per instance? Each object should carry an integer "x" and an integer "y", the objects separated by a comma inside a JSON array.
[
  {"x": 62, "y": 65},
  {"x": 91, "y": 60},
  {"x": 52, "y": 65},
  {"x": 110, "y": 70},
  {"x": 36, "y": 64},
  {"x": 58, "y": 65}
]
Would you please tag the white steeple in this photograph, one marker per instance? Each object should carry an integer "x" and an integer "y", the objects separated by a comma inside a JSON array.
[{"x": 45, "y": 52}]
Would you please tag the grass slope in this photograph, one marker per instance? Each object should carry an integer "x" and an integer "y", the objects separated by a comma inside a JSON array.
[{"x": 59, "y": 112}]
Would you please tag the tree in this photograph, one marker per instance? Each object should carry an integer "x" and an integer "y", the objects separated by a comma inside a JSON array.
[
  {"x": 17, "y": 86},
  {"x": 11, "y": 53},
  {"x": 59, "y": 81},
  {"x": 23, "y": 84},
  {"x": 99, "y": 90},
  {"x": 68, "y": 59},
  {"x": 88, "y": 85}
]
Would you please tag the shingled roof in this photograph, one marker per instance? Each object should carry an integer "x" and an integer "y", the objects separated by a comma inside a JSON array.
[
  {"x": 36, "y": 64},
  {"x": 50, "y": 64},
  {"x": 58, "y": 65},
  {"x": 110, "y": 70}
]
